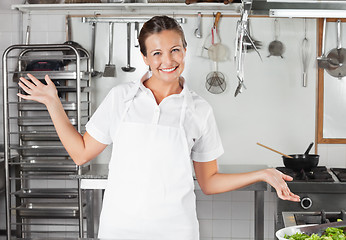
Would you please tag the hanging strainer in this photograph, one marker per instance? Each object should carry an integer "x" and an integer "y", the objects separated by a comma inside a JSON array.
[{"x": 215, "y": 82}]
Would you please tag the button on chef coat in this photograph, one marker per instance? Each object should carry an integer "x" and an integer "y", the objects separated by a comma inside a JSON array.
[{"x": 200, "y": 126}]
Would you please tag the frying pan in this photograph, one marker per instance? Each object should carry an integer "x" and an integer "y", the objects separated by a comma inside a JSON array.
[
  {"x": 304, "y": 161},
  {"x": 338, "y": 55},
  {"x": 297, "y": 162},
  {"x": 301, "y": 161}
]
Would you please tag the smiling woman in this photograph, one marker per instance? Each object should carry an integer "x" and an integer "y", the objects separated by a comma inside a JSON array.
[{"x": 157, "y": 127}]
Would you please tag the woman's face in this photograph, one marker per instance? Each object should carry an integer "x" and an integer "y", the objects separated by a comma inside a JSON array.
[{"x": 165, "y": 55}]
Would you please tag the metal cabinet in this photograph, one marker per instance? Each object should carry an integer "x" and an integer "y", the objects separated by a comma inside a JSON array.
[{"x": 43, "y": 199}]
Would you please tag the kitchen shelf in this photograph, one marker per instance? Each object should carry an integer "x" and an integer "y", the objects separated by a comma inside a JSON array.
[
  {"x": 54, "y": 75},
  {"x": 64, "y": 88},
  {"x": 47, "y": 193},
  {"x": 30, "y": 133},
  {"x": 41, "y": 210},
  {"x": 131, "y": 8},
  {"x": 46, "y": 57},
  {"x": 34, "y": 106}
]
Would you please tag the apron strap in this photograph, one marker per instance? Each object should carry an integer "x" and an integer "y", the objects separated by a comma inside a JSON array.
[{"x": 183, "y": 111}]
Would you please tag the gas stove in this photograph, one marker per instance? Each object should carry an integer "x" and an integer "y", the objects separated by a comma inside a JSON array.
[
  {"x": 323, "y": 197},
  {"x": 318, "y": 180}
]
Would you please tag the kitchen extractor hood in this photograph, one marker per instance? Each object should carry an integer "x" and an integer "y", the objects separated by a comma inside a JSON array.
[{"x": 300, "y": 8}]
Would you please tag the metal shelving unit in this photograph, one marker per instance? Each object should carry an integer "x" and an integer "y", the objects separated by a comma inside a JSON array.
[{"x": 40, "y": 193}]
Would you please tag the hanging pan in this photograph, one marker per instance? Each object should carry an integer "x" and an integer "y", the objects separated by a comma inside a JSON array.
[{"x": 338, "y": 55}]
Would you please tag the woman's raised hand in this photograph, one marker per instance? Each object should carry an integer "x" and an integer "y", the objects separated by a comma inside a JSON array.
[{"x": 37, "y": 91}]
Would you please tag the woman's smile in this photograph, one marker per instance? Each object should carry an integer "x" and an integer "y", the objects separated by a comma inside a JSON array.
[
  {"x": 168, "y": 70},
  {"x": 165, "y": 56}
]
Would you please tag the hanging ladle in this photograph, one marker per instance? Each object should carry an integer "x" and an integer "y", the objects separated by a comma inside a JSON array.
[{"x": 128, "y": 67}]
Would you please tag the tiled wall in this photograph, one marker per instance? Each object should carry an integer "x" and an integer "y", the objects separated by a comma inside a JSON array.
[{"x": 230, "y": 216}]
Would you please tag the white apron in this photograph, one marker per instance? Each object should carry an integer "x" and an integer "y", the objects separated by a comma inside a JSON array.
[{"x": 150, "y": 189}]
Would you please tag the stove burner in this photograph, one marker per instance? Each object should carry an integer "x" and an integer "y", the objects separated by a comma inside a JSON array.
[
  {"x": 340, "y": 173},
  {"x": 319, "y": 217},
  {"x": 317, "y": 174}
]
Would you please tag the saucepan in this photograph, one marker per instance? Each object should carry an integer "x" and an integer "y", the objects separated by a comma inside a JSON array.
[
  {"x": 298, "y": 162},
  {"x": 304, "y": 161}
]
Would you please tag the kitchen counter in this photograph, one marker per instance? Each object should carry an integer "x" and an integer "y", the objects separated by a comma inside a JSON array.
[{"x": 96, "y": 178}]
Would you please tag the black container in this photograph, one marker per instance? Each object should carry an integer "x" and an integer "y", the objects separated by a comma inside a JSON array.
[{"x": 301, "y": 161}]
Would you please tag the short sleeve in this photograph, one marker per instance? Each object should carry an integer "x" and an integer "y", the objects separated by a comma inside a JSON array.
[
  {"x": 209, "y": 146},
  {"x": 99, "y": 125}
]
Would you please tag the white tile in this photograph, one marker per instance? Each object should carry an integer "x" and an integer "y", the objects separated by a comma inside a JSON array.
[
  {"x": 243, "y": 196},
  {"x": 5, "y": 40},
  {"x": 226, "y": 196},
  {"x": 204, "y": 209},
  {"x": 56, "y": 37},
  {"x": 38, "y": 183},
  {"x": 205, "y": 228},
  {"x": 6, "y": 22},
  {"x": 17, "y": 1},
  {"x": 15, "y": 21},
  {"x": 15, "y": 38},
  {"x": 221, "y": 210},
  {"x": 269, "y": 229},
  {"x": 270, "y": 196},
  {"x": 242, "y": 210},
  {"x": 38, "y": 37},
  {"x": 221, "y": 228},
  {"x": 55, "y": 184},
  {"x": 323, "y": 152},
  {"x": 56, "y": 23},
  {"x": 71, "y": 184},
  {"x": 269, "y": 210},
  {"x": 241, "y": 229},
  {"x": 39, "y": 23},
  {"x": 5, "y": 6},
  {"x": 337, "y": 155},
  {"x": 200, "y": 196},
  {"x": 252, "y": 228}
]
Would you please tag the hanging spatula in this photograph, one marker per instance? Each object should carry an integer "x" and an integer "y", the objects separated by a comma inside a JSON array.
[{"x": 110, "y": 68}]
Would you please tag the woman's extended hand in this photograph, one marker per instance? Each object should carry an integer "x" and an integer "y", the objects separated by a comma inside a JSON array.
[
  {"x": 38, "y": 91},
  {"x": 278, "y": 181}
]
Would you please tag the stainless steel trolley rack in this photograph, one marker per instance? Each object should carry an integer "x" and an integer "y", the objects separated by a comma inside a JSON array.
[{"x": 37, "y": 167}]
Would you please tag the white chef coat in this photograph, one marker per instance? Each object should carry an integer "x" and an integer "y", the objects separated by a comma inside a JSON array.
[
  {"x": 150, "y": 190},
  {"x": 200, "y": 126}
]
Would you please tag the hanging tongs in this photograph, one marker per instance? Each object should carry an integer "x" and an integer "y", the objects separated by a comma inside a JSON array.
[{"x": 240, "y": 47}]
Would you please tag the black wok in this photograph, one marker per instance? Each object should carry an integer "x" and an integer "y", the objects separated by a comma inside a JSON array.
[{"x": 301, "y": 161}]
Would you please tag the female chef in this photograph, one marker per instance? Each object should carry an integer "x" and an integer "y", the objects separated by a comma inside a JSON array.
[{"x": 157, "y": 126}]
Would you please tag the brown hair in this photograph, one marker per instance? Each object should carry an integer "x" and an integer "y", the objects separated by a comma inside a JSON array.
[{"x": 158, "y": 24}]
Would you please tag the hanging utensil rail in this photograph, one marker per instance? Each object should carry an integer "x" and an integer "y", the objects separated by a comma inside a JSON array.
[{"x": 122, "y": 19}]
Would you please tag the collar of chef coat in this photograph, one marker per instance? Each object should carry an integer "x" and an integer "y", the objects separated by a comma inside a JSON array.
[{"x": 139, "y": 85}]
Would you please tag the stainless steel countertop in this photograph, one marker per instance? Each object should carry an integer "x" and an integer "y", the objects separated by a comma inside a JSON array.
[{"x": 97, "y": 176}]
